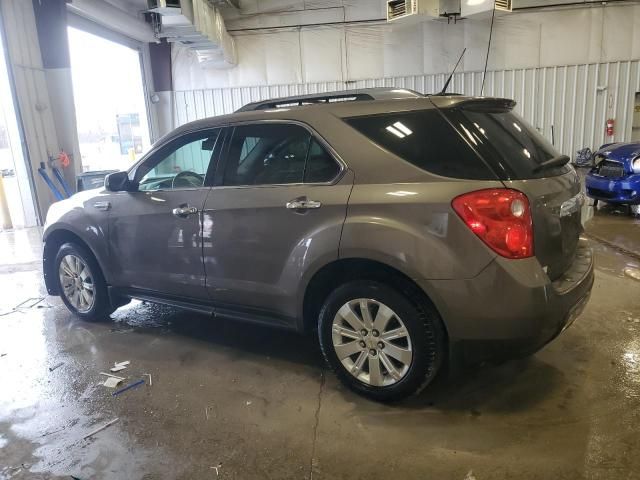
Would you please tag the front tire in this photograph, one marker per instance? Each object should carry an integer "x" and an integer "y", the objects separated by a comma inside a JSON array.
[
  {"x": 381, "y": 343},
  {"x": 81, "y": 283}
]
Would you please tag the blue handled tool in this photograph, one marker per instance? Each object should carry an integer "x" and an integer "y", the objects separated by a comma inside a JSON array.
[
  {"x": 65, "y": 187},
  {"x": 128, "y": 387},
  {"x": 50, "y": 184}
]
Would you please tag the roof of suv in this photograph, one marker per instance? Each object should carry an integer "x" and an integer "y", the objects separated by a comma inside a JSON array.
[
  {"x": 361, "y": 94},
  {"x": 312, "y": 109}
]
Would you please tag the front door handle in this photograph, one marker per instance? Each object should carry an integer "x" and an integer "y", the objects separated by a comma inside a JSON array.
[
  {"x": 301, "y": 204},
  {"x": 184, "y": 211},
  {"x": 104, "y": 206}
]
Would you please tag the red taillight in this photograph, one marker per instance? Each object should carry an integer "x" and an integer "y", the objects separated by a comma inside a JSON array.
[{"x": 501, "y": 218}]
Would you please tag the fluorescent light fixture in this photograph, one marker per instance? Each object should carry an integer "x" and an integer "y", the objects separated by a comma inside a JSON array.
[
  {"x": 471, "y": 3},
  {"x": 395, "y": 131},
  {"x": 517, "y": 126},
  {"x": 403, "y": 128},
  {"x": 526, "y": 153}
]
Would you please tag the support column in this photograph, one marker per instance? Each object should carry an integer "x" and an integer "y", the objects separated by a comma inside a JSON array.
[
  {"x": 162, "y": 95},
  {"x": 37, "y": 54},
  {"x": 51, "y": 24}
]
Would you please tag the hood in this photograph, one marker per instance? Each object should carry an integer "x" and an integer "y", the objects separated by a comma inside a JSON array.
[{"x": 621, "y": 152}]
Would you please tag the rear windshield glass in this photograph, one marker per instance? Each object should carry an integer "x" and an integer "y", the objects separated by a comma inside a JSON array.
[
  {"x": 511, "y": 146},
  {"x": 425, "y": 139}
]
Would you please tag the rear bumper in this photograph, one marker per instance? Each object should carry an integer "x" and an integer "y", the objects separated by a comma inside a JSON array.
[
  {"x": 623, "y": 190},
  {"x": 512, "y": 309}
]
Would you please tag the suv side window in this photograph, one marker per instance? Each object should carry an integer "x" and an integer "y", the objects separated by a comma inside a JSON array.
[
  {"x": 181, "y": 164},
  {"x": 425, "y": 139},
  {"x": 266, "y": 154},
  {"x": 321, "y": 167}
]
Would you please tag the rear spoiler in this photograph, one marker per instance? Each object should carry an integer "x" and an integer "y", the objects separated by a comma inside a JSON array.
[{"x": 476, "y": 104}]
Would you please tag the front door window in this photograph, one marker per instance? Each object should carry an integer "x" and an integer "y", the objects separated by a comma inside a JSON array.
[{"x": 182, "y": 164}]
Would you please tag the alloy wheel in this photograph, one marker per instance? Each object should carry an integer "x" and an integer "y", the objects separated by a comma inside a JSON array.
[
  {"x": 372, "y": 342},
  {"x": 77, "y": 283}
]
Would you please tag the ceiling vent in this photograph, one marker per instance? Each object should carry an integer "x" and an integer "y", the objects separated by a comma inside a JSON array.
[
  {"x": 412, "y": 10},
  {"x": 503, "y": 5},
  {"x": 198, "y": 26},
  {"x": 479, "y": 8}
]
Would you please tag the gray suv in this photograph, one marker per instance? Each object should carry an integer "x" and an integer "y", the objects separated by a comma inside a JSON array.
[{"x": 409, "y": 232}]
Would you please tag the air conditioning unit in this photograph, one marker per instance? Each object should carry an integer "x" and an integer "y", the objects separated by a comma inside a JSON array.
[
  {"x": 164, "y": 7},
  {"x": 412, "y": 10},
  {"x": 478, "y": 8},
  {"x": 196, "y": 25}
]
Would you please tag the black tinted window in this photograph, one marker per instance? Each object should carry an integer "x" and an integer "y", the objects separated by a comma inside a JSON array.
[
  {"x": 321, "y": 167},
  {"x": 267, "y": 154},
  {"x": 512, "y": 146},
  {"x": 425, "y": 139}
]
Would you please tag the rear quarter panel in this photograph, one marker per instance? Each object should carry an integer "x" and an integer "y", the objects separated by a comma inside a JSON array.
[{"x": 412, "y": 227}]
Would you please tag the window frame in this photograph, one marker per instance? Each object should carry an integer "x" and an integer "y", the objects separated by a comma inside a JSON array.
[
  {"x": 230, "y": 130},
  {"x": 164, "y": 147}
]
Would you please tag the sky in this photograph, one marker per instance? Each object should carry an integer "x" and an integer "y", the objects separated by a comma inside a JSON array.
[{"x": 107, "y": 80}]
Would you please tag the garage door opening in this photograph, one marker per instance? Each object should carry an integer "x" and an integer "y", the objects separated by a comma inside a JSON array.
[
  {"x": 17, "y": 206},
  {"x": 111, "y": 111}
]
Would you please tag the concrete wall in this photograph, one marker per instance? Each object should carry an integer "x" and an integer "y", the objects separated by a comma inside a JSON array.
[{"x": 360, "y": 51}]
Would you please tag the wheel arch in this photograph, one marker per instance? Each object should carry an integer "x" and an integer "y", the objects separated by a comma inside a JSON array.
[
  {"x": 344, "y": 270},
  {"x": 53, "y": 240}
]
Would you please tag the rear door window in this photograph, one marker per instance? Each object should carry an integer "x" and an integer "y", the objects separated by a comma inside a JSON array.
[
  {"x": 267, "y": 154},
  {"x": 425, "y": 139}
]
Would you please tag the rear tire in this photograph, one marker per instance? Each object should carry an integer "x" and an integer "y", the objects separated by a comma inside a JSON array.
[
  {"x": 389, "y": 354},
  {"x": 81, "y": 283}
]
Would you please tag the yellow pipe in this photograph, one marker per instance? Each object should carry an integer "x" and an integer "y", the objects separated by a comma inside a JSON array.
[{"x": 4, "y": 208}]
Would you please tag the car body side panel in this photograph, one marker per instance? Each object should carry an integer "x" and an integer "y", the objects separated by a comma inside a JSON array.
[
  {"x": 151, "y": 248},
  {"x": 256, "y": 251},
  {"x": 80, "y": 216},
  {"x": 413, "y": 228}
]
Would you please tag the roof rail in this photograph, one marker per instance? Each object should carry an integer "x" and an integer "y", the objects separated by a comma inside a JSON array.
[{"x": 332, "y": 97}]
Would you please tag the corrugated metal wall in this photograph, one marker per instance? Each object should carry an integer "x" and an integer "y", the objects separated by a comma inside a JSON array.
[
  {"x": 568, "y": 104},
  {"x": 31, "y": 90}
]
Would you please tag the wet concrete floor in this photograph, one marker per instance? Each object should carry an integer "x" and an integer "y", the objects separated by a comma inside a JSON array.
[{"x": 234, "y": 401}]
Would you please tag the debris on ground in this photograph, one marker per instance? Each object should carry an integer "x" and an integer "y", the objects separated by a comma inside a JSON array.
[
  {"x": 206, "y": 412},
  {"x": 3, "y": 355},
  {"x": 470, "y": 476},
  {"x": 148, "y": 375},
  {"x": 99, "y": 429},
  {"x": 128, "y": 387},
  {"x": 216, "y": 468},
  {"x": 112, "y": 382},
  {"x": 109, "y": 375},
  {"x": 51, "y": 369},
  {"x": 120, "y": 366}
]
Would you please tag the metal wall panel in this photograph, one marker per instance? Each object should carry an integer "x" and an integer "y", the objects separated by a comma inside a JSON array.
[
  {"x": 32, "y": 94},
  {"x": 568, "y": 104}
]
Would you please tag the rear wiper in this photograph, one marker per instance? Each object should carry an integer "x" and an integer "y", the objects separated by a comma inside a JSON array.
[{"x": 558, "y": 161}]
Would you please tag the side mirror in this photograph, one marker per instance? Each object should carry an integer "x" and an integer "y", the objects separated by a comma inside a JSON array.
[{"x": 117, "y": 182}]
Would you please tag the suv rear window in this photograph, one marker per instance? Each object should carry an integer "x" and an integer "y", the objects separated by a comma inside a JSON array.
[
  {"x": 513, "y": 148},
  {"x": 425, "y": 139}
]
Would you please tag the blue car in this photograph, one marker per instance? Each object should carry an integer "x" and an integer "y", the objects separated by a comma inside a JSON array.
[{"x": 615, "y": 175}]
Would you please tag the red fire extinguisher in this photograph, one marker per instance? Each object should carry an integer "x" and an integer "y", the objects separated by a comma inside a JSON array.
[{"x": 610, "y": 125}]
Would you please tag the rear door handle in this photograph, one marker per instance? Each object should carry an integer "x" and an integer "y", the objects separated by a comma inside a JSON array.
[
  {"x": 303, "y": 204},
  {"x": 184, "y": 211},
  {"x": 104, "y": 206}
]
